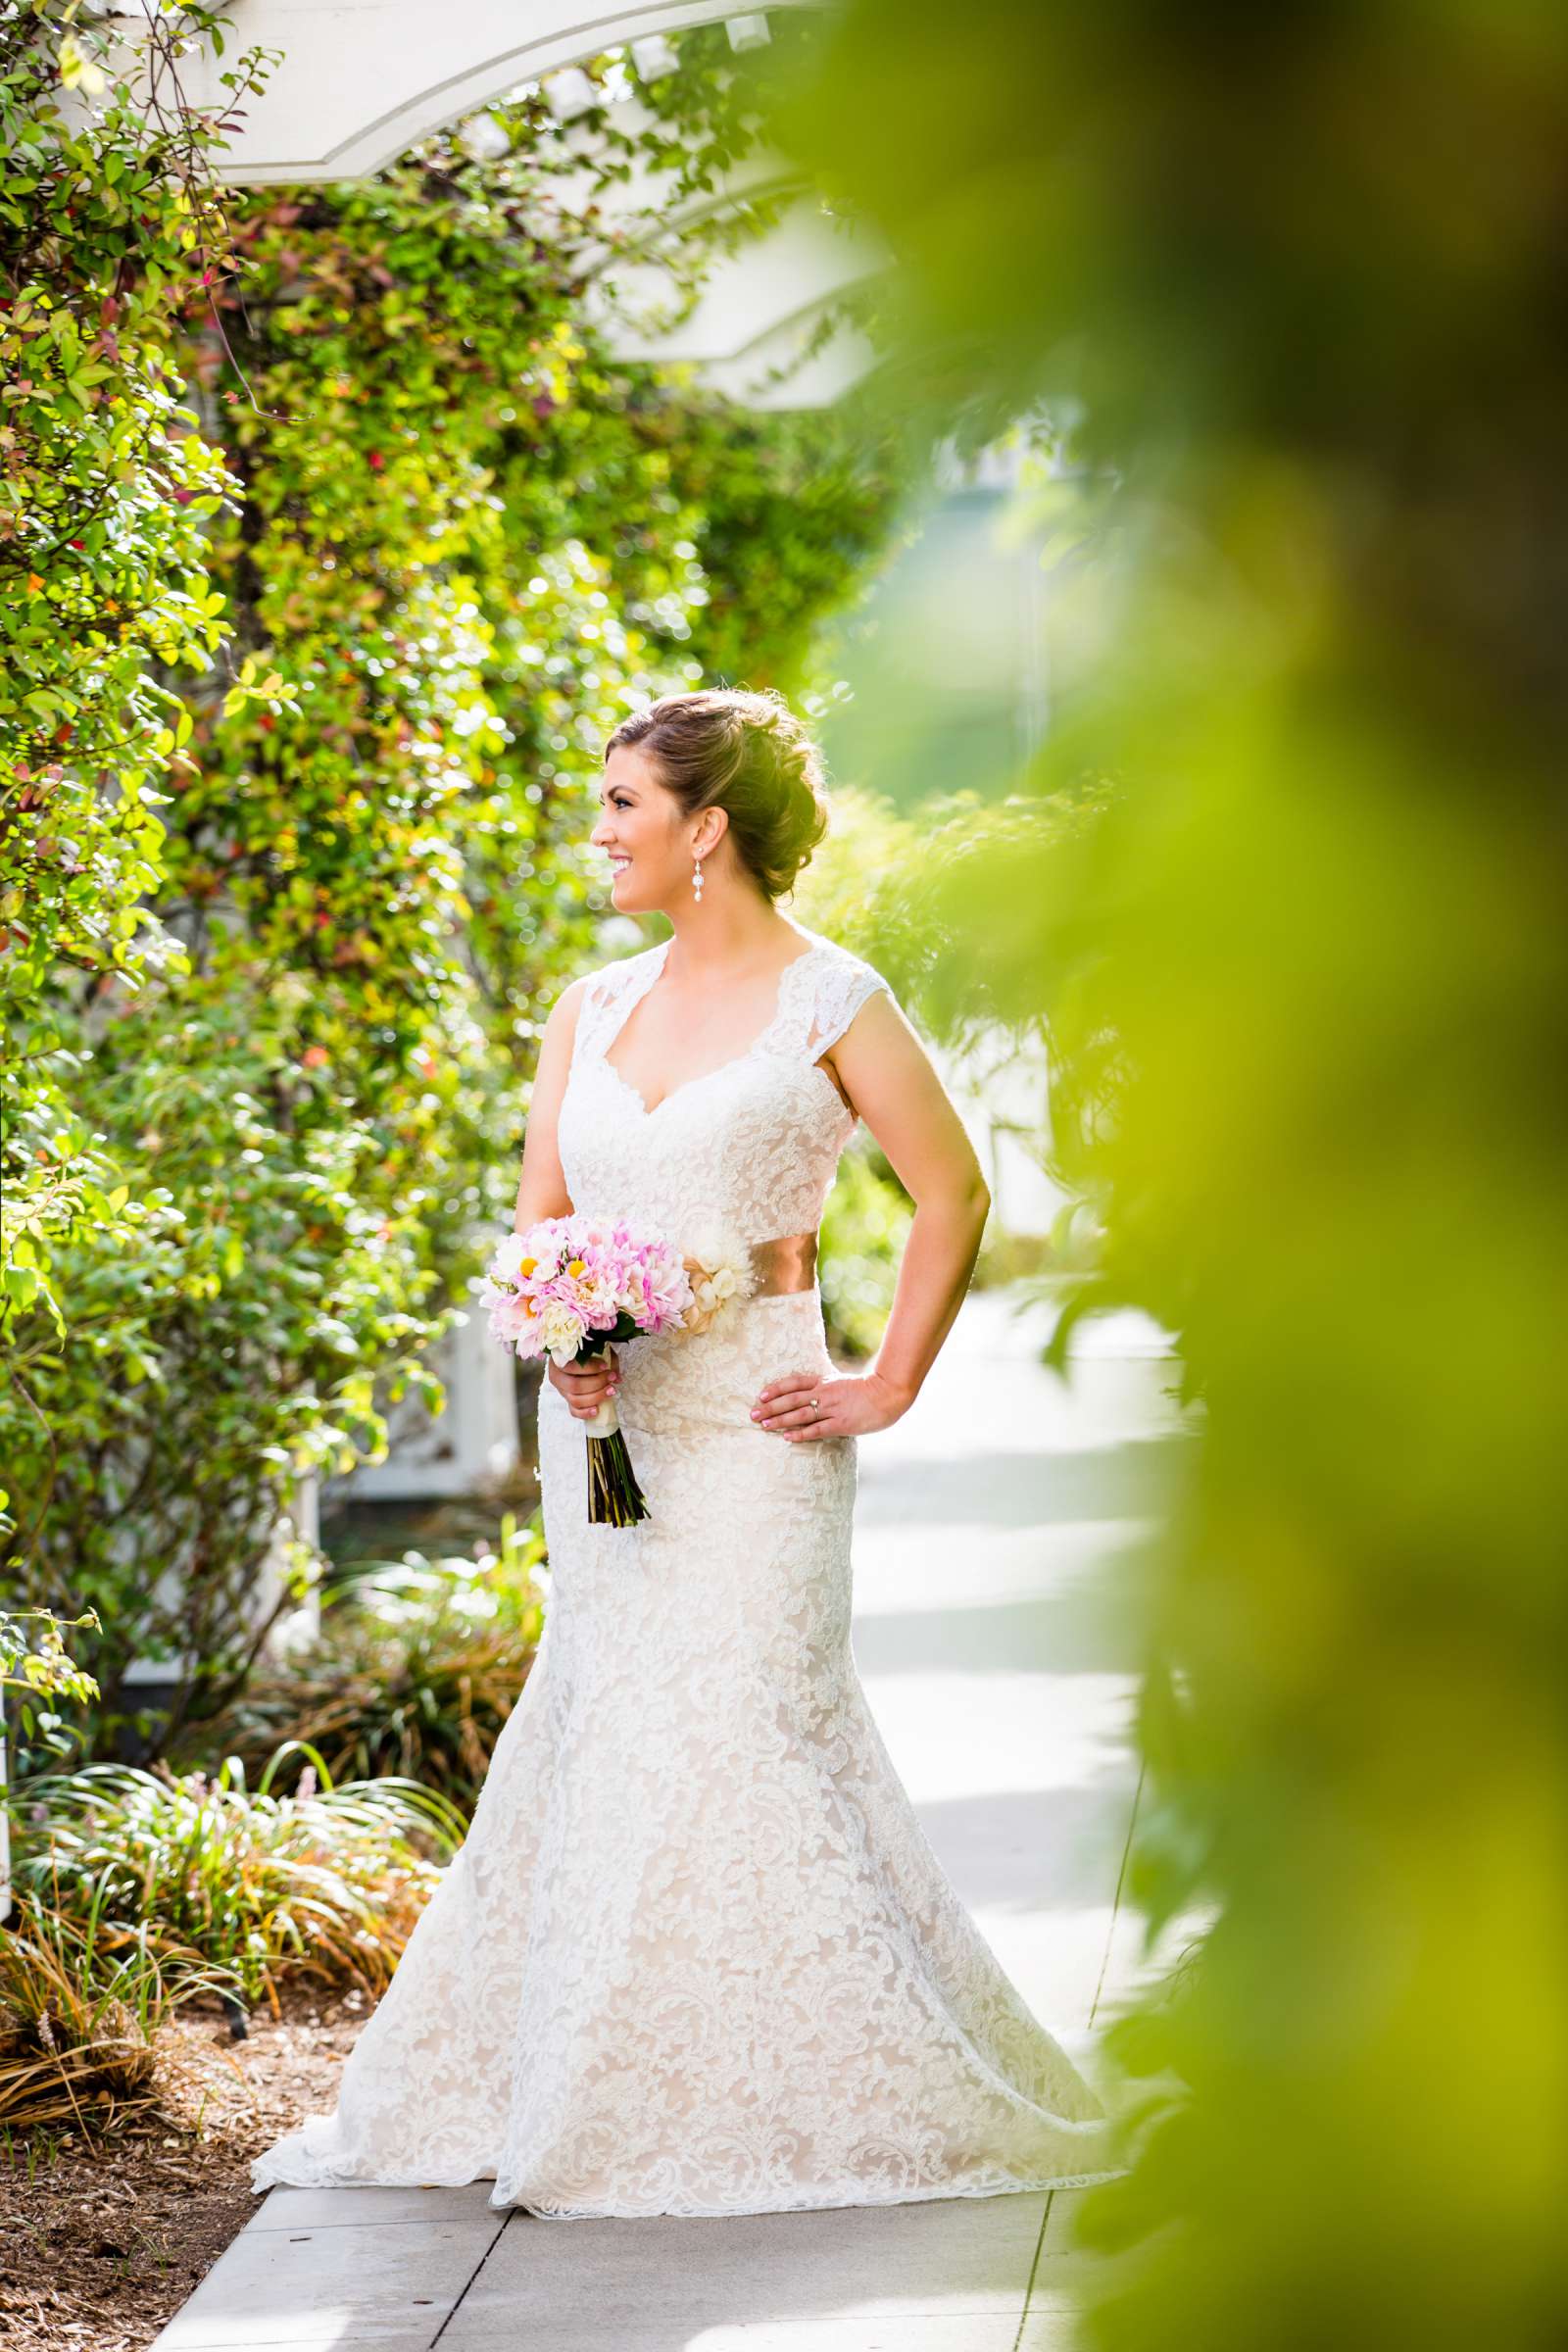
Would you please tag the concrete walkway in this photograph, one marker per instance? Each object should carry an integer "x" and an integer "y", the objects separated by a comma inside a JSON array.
[{"x": 989, "y": 1529}]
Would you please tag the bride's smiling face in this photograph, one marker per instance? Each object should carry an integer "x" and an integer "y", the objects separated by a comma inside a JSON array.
[{"x": 642, "y": 831}]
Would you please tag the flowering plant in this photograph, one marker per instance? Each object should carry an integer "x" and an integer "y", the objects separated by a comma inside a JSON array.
[{"x": 571, "y": 1287}]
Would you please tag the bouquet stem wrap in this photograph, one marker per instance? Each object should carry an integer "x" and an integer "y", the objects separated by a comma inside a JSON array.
[{"x": 614, "y": 1498}]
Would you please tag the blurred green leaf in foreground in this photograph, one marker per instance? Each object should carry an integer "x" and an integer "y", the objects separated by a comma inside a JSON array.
[{"x": 1295, "y": 276}]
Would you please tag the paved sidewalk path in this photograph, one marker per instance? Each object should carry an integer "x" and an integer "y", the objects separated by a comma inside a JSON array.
[{"x": 988, "y": 1533}]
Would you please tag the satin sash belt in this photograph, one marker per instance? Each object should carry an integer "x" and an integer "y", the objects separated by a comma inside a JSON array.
[{"x": 788, "y": 1263}]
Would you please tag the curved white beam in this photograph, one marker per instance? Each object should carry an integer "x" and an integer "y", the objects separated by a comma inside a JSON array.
[
  {"x": 360, "y": 81},
  {"x": 840, "y": 361},
  {"x": 643, "y": 206},
  {"x": 745, "y": 296}
]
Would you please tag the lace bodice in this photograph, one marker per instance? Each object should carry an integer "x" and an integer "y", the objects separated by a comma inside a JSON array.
[{"x": 754, "y": 1142}]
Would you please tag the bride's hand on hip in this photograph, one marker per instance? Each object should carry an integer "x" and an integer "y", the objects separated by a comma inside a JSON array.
[
  {"x": 825, "y": 1407},
  {"x": 586, "y": 1386}
]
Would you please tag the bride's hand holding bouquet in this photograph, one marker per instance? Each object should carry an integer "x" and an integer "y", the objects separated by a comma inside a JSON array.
[
  {"x": 586, "y": 1386},
  {"x": 568, "y": 1288}
]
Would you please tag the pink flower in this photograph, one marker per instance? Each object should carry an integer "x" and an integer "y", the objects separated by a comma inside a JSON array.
[{"x": 548, "y": 1288}]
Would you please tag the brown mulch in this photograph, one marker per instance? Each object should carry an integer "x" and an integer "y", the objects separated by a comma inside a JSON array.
[{"x": 101, "y": 2246}]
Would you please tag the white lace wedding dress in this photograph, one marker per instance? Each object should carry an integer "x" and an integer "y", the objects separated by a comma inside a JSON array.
[{"x": 696, "y": 1955}]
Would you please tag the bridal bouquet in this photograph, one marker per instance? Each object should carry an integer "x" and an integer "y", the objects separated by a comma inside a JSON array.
[{"x": 571, "y": 1287}]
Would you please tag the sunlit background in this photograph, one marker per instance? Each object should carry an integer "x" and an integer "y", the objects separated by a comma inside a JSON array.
[{"x": 1158, "y": 509}]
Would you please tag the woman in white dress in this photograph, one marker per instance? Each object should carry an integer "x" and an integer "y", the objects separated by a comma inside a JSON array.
[{"x": 696, "y": 1955}]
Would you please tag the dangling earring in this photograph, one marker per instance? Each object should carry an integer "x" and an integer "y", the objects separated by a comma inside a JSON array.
[{"x": 697, "y": 879}]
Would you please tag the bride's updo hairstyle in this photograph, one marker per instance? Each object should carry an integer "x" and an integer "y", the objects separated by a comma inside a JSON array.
[{"x": 749, "y": 754}]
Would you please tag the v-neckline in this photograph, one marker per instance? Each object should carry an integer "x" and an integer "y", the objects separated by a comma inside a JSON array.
[{"x": 661, "y": 951}]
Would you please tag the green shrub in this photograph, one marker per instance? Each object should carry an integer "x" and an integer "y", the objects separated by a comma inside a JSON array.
[
  {"x": 419, "y": 1666},
  {"x": 223, "y": 1348},
  {"x": 324, "y": 1883}
]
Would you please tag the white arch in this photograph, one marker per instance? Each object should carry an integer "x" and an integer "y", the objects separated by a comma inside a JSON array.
[{"x": 360, "y": 81}]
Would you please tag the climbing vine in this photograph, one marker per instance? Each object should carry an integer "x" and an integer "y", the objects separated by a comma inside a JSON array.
[
  {"x": 424, "y": 543},
  {"x": 109, "y": 223}
]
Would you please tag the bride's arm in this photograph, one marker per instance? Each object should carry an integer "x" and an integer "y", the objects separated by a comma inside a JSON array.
[
  {"x": 542, "y": 1191},
  {"x": 890, "y": 1084}
]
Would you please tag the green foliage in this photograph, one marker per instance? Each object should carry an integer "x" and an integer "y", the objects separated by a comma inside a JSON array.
[
  {"x": 418, "y": 1665},
  {"x": 324, "y": 1884},
  {"x": 973, "y": 909},
  {"x": 36, "y": 1667},
  {"x": 909, "y": 892},
  {"x": 40, "y": 1663},
  {"x": 1306, "y": 969},
  {"x": 900, "y": 890},
  {"x": 427, "y": 545},
  {"x": 265, "y": 1284},
  {"x": 788, "y": 511},
  {"x": 106, "y": 490}
]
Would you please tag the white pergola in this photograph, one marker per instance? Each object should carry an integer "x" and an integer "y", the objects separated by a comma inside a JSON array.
[{"x": 360, "y": 81}]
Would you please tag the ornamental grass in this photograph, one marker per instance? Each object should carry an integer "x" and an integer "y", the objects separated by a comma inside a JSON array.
[
  {"x": 324, "y": 1884},
  {"x": 82, "y": 2001}
]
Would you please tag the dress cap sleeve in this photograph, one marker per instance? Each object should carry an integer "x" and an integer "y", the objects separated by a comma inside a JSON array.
[{"x": 844, "y": 987}]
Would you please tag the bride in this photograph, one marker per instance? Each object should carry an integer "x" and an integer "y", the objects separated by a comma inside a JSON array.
[{"x": 696, "y": 1955}]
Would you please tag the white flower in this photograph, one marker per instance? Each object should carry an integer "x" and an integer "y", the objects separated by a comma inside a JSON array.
[
  {"x": 720, "y": 1267},
  {"x": 507, "y": 1257},
  {"x": 714, "y": 1244},
  {"x": 562, "y": 1330}
]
